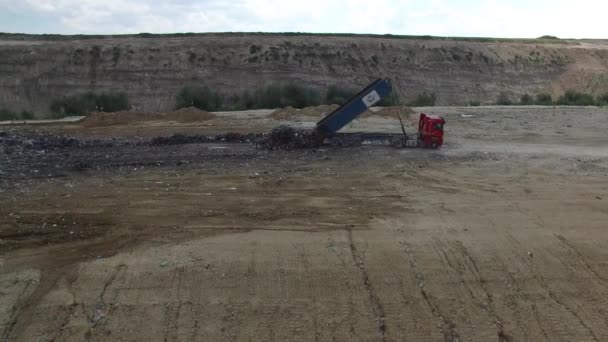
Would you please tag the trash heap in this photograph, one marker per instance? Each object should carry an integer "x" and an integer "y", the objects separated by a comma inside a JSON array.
[
  {"x": 288, "y": 138},
  {"x": 182, "y": 139},
  {"x": 13, "y": 141},
  {"x": 281, "y": 138}
]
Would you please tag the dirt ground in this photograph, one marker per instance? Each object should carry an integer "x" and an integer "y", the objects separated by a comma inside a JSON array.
[{"x": 498, "y": 236}]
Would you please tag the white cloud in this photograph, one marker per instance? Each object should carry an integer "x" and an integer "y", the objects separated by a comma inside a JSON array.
[{"x": 516, "y": 18}]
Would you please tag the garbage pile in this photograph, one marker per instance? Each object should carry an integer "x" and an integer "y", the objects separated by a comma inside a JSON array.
[
  {"x": 281, "y": 138},
  {"x": 20, "y": 141},
  {"x": 182, "y": 139},
  {"x": 288, "y": 138},
  {"x": 36, "y": 141}
]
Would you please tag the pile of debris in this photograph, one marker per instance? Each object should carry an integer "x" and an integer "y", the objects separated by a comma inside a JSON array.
[
  {"x": 281, "y": 138},
  {"x": 33, "y": 143},
  {"x": 289, "y": 138},
  {"x": 11, "y": 141},
  {"x": 182, "y": 139}
]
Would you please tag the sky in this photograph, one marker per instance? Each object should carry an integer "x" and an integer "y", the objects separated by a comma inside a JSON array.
[{"x": 465, "y": 18}]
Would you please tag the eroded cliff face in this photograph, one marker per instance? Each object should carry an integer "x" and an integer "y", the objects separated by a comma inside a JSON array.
[{"x": 153, "y": 70}]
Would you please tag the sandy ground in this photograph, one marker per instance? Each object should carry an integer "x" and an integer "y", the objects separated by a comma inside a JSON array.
[{"x": 499, "y": 236}]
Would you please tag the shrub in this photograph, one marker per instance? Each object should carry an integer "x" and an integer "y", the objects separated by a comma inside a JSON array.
[
  {"x": 574, "y": 98},
  {"x": 247, "y": 100},
  {"x": 336, "y": 95},
  {"x": 84, "y": 103},
  {"x": 111, "y": 102},
  {"x": 474, "y": 103},
  {"x": 503, "y": 100},
  {"x": 526, "y": 100},
  {"x": 424, "y": 100},
  {"x": 199, "y": 97},
  {"x": 548, "y": 37},
  {"x": 299, "y": 96},
  {"x": 234, "y": 102},
  {"x": 387, "y": 101},
  {"x": 116, "y": 55},
  {"x": 282, "y": 95},
  {"x": 27, "y": 115},
  {"x": 268, "y": 97},
  {"x": 544, "y": 99},
  {"x": 7, "y": 114},
  {"x": 602, "y": 100}
]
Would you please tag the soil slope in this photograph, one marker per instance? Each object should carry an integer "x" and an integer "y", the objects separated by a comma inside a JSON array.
[{"x": 33, "y": 71}]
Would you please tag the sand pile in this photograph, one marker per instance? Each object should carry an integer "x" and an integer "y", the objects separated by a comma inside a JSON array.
[
  {"x": 98, "y": 119},
  {"x": 313, "y": 111},
  {"x": 190, "y": 114}
]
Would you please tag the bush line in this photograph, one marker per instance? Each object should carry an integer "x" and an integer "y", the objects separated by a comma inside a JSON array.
[
  {"x": 279, "y": 95},
  {"x": 570, "y": 98},
  {"x": 9, "y": 115},
  {"x": 276, "y": 95}
]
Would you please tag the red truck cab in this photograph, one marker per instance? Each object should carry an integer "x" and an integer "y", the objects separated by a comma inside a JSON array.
[{"x": 430, "y": 131}]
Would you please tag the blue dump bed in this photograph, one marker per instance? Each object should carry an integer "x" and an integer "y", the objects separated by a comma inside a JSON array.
[{"x": 358, "y": 104}]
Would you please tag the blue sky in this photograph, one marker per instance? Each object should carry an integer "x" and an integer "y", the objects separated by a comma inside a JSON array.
[{"x": 480, "y": 18}]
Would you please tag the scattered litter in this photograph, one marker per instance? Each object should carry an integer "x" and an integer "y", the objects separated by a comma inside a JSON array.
[
  {"x": 466, "y": 115},
  {"x": 98, "y": 313},
  {"x": 164, "y": 263}
]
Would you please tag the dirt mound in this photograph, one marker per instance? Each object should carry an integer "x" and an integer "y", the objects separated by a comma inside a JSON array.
[
  {"x": 191, "y": 114},
  {"x": 313, "y": 111}
]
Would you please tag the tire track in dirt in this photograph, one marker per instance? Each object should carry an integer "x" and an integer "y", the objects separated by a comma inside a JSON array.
[
  {"x": 14, "y": 311},
  {"x": 582, "y": 258},
  {"x": 448, "y": 328},
  {"x": 545, "y": 286},
  {"x": 513, "y": 284},
  {"x": 66, "y": 320},
  {"x": 306, "y": 263},
  {"x": 345, "y": 264},
  {"x": 196, "y": 313},
  {"x": 373, "y": 296},
  {"x": 111, "y": 279},
  {"x": 172, "y": 323},
  {"x": 101, "y": 304},
  {"x": 596, "y": 277},
  {"x": 25, "y": 310},
  {"x": 490, "y": 307}
]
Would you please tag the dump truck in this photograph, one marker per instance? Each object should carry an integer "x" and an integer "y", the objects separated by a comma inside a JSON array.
[{"x": 430, "y": 127}]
